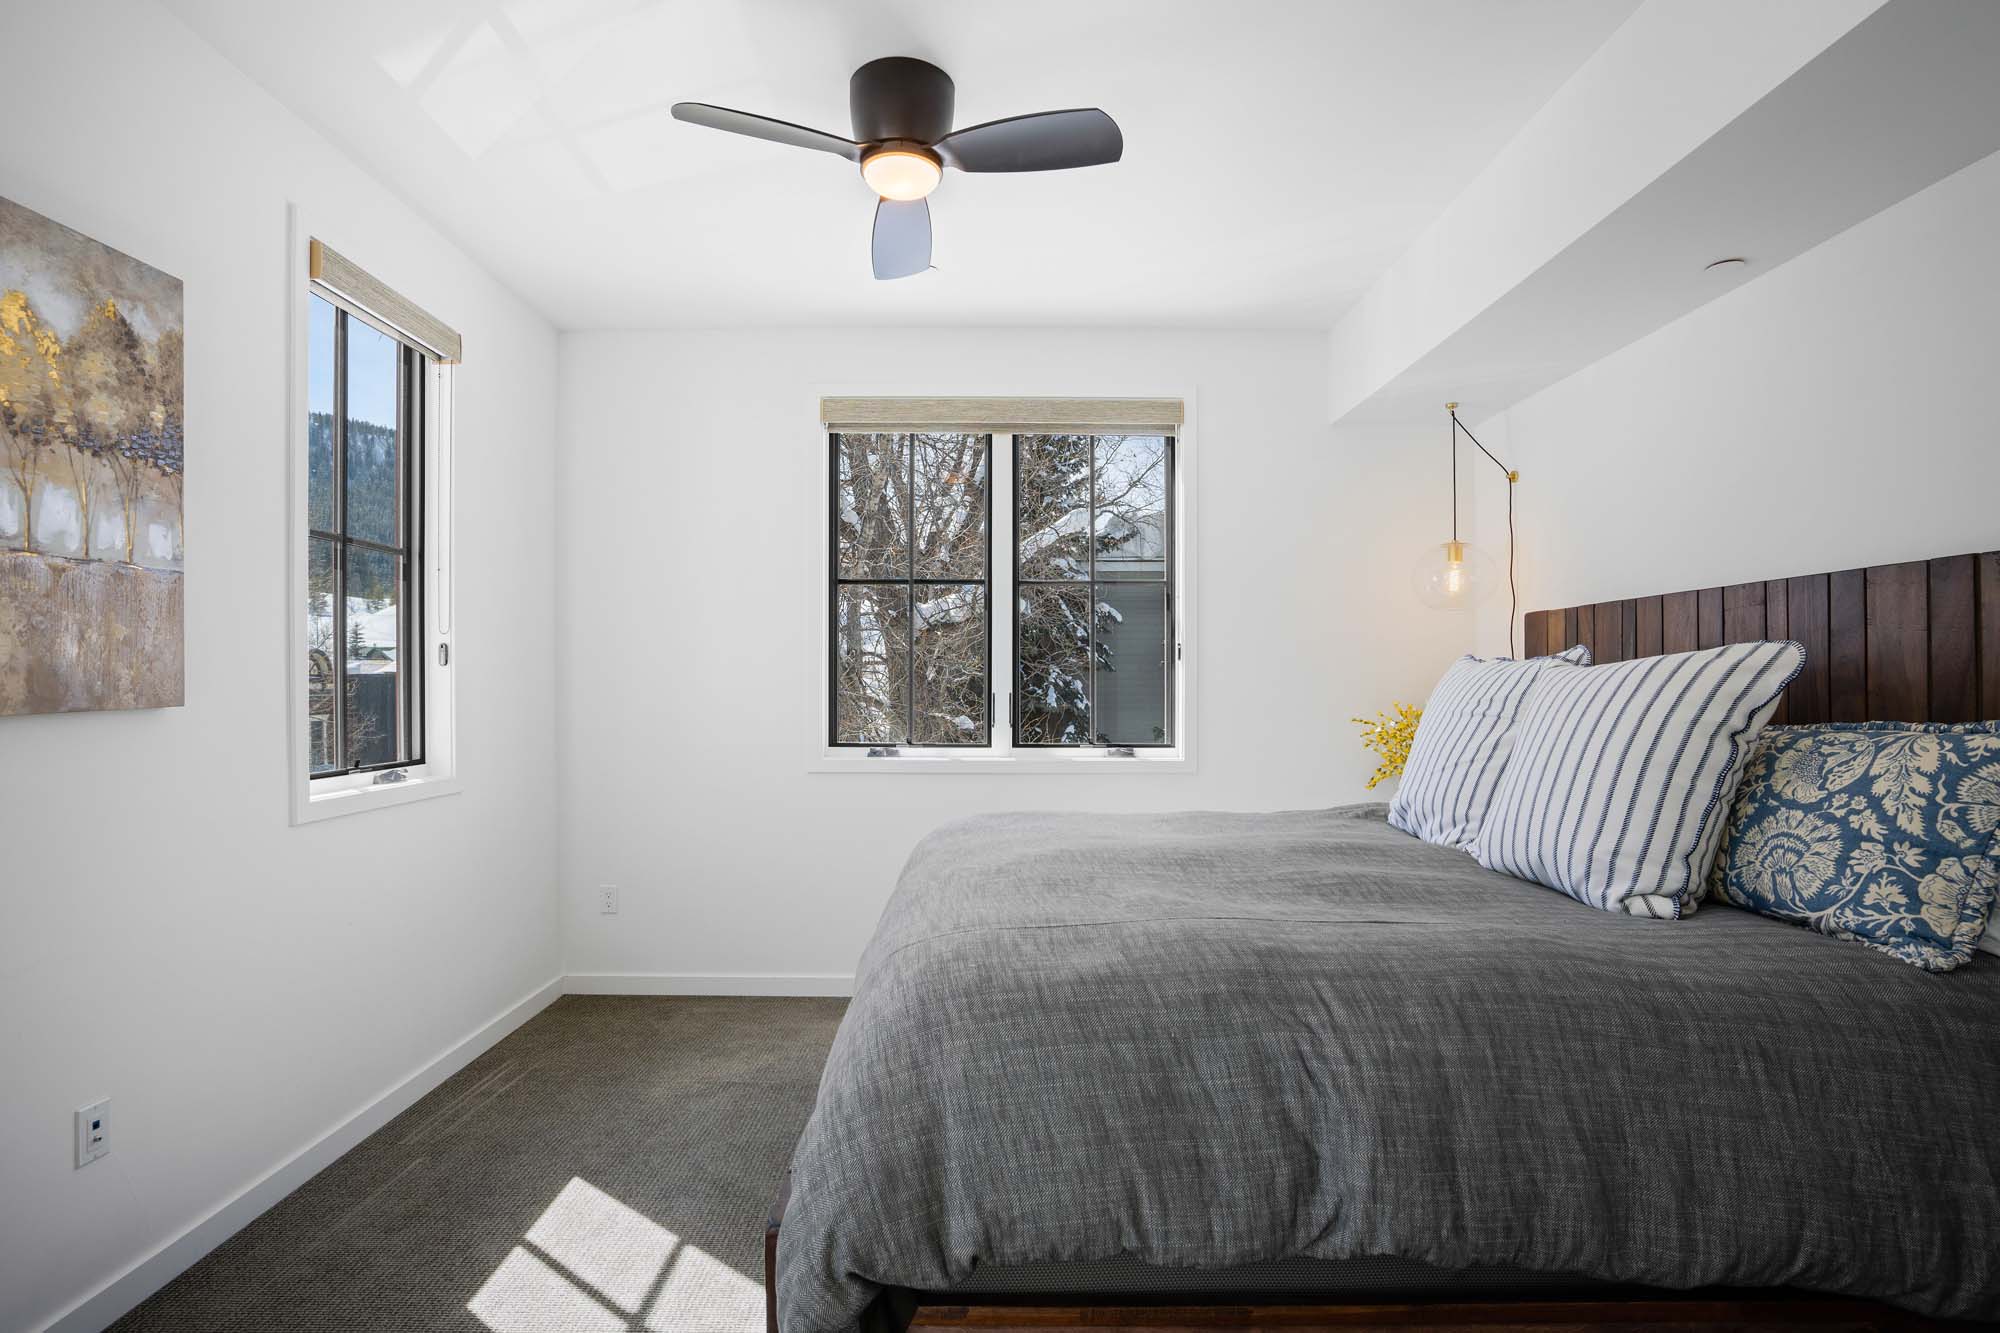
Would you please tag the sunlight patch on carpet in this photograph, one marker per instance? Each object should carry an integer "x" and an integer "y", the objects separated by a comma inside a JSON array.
[
  {"x": 526, "y": 1295},
  {"x": 592, "y": 1263},
  {"x": 602, "y": 1243},
  {"x": 703, "y": 1292}
]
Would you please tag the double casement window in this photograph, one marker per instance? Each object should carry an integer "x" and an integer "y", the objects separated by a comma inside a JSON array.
[
  {"x": 372, "y": 695},
  {"x": 1004, "y": 578}
]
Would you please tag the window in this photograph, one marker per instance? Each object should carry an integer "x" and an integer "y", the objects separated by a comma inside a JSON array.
[
  {"x": 1094, "y": 607},
  {"x": 372, "y": 693},
  {"x": 1069, "y": 530},
  {"x": 363, "y": 622},
  {"x": 911, "y": 626}
]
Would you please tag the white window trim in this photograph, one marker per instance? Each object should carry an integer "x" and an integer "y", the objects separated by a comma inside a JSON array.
[
  {"x": 1001, "y": 757},
  {"x": 315, "y": 799}
]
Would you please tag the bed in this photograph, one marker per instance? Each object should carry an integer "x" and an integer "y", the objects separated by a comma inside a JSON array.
[{"x": 1301, "y": 1070}]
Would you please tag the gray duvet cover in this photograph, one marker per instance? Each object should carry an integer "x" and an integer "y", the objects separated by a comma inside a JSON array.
[{"x": 1213, "y": 1039}]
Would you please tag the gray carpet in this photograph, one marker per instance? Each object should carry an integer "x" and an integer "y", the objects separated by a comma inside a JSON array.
[{"x": 606, "y": 1167}]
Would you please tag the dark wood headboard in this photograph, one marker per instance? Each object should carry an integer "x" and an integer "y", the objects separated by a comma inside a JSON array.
[{"x": 1916, "y": 642}]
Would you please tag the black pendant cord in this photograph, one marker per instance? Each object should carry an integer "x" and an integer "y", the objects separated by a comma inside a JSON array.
[
  {"x": 1454, "y": 474},
  {"x": 1513, "y": 590}
]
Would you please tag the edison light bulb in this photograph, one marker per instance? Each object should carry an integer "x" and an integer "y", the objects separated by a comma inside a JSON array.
[{"x": 1451, "y": 574}]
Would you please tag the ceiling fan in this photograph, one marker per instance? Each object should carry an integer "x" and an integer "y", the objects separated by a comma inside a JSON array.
[{"x": 903, "y": 140}]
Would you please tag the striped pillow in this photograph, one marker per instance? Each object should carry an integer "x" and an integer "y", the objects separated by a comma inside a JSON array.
[
  {"x": 1622, "y": 776},
  {"x": 1462, "y": 743}
]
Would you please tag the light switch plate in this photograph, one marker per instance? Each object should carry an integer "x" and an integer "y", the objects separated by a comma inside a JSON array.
[{"x": 93, "y": 1131}]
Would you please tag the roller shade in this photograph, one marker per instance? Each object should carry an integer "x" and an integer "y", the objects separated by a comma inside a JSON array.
[
  {"x": 1054, "y": 415},
  {"x": 335, "y": 271}
]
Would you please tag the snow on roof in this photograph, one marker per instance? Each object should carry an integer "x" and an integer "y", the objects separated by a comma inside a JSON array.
[{"x": 376, "y": 630}]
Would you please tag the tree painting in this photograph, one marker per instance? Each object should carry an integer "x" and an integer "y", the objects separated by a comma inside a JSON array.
[{"x": 92, "y": 461}]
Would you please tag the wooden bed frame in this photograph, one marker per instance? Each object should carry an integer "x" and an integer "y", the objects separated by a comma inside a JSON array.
[{"x": 1913, "y": 642}]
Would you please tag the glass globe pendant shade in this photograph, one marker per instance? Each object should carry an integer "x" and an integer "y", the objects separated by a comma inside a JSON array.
[{"x": 1452, "y": 575}]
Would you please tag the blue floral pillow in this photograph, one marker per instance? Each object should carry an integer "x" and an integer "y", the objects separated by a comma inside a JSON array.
[{"x": 1884, "y": 833}]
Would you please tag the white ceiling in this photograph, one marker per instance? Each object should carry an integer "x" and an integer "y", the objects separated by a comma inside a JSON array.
[{"x": 1277, "y": 155}]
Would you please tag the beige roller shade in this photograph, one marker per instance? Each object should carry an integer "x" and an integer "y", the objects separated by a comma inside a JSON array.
[
  {"x": 1069, "y": 415},
  {"x": 340, "y": 274}
]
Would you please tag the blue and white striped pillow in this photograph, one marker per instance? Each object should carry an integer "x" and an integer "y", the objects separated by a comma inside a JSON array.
[
  {"x": 1622, "y": 775},
  {"x": 1462, "y": 742}
]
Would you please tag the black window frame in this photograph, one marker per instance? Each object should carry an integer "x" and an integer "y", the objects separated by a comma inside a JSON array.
[
  {"x": 1171, "y": 649},
  {"x": 835, "y": 582},
  {"x": 412, "y": 378}
]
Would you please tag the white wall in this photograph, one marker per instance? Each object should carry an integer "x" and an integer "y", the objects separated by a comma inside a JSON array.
[
  {"x": 237, "y": 986},
  {"x": 1836, "y": 412},
  {"x": 690, "y": 484}
]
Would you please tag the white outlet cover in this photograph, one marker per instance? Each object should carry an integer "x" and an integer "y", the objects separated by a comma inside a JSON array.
[
  {"x": 607, "y": 899},
  {"x": 93, "y": 1131}
]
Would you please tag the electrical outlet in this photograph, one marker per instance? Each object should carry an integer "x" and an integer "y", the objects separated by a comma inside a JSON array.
[
  {"x": 93, "y": 1132},
  {"x": 607, "y": 899}
]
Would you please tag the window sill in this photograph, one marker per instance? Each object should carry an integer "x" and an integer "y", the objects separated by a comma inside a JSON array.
[
  {"x": 336, "y": 801},
  {"x": 935, "y": 762}
]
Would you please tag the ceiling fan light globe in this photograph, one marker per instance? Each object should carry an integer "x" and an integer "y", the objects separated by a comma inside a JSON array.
[{"x": 901, "y": 174}]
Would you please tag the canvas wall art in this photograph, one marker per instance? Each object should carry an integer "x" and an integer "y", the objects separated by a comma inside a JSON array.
[{"x": 92, "y": 460}]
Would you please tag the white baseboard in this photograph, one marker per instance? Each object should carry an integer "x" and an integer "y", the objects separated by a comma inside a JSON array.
[
  {"x": 710, "y": 983},
  {"x": 154, "y": 1271}
]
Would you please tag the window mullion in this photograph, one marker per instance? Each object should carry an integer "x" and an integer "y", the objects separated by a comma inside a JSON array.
[
  {"x": 1000, "y": 593},
  {"x": 409, "y": 651},
  {"x": 1090, "y": 598},
  {"x": 339, "y": 552},
  {"x": 910, "y": 590}
]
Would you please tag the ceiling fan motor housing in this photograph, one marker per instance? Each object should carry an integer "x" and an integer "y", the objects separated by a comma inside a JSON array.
[{"x": 900, "y": 98}]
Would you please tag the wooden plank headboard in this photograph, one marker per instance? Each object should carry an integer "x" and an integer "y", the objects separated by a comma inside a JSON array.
[{"x": 1916, "y": 642}]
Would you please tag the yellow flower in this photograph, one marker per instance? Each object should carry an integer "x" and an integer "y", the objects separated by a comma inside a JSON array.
[{"x": 1389, "y": 735}]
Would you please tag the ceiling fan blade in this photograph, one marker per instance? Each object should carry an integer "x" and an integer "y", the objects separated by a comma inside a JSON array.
[
  {"x": 901, "y": 245},
  {"x": 763, "y": 127},
  {"x": 1044, "y": 141}
]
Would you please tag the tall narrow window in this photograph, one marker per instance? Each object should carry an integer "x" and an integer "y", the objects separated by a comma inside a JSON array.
[
  {"x": 363, "y": 627},
  {"x": 910, "y": 622},
  {"x": 1094, "y": 611}
]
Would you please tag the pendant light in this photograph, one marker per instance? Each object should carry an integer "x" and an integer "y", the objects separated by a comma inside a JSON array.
[{"x": 1455, "y": 575}]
